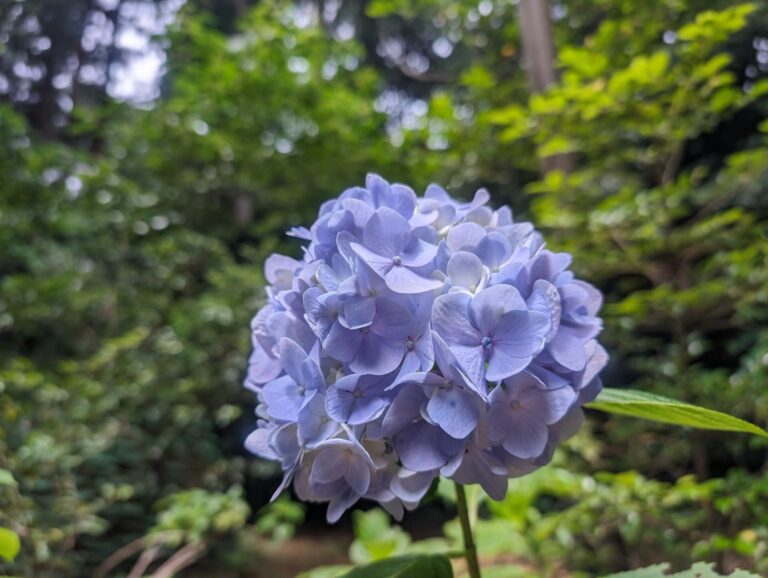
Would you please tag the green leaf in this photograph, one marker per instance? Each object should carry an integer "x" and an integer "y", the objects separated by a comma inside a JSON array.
[
  {"x": 380, "y": 8},
  {"x": 411, "y": 566},
  {"x": 325, "y": 572},
  {"x": 655, "y": 571},
  {"x": 700, "y": 570},
  {"x": 556, "y": 146},
  {"x": 6, "y": 478},
  {"x": 658, "y": 64},
  {"x": 759, "y": 89},
  {"x": 9, "y": 544},
  {"x": 376, "y": 538},
  {"x": 653, "y": 407}
]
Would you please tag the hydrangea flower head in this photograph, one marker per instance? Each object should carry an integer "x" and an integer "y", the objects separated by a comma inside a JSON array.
[{"x": 418, "y": 337}]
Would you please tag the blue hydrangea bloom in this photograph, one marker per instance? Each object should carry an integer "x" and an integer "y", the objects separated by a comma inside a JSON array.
[{"x": 418, "y": 337}]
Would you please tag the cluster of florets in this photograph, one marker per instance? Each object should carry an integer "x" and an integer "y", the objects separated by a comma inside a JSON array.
[{"x": 418, "y": 337}]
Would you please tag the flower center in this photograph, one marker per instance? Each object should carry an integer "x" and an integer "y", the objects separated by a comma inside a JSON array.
[
  {"x": 487, "y": 342},
  {"x": 397, "y": 261},
  {"x": 515, "y": 404}
]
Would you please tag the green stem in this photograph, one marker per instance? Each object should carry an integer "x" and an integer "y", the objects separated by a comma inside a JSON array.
[{"x": 470, "y": 552}]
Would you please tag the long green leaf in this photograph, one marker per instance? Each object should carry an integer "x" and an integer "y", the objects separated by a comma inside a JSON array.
[
  {"x": 410, "y": 566},
  {"x": 645, "y": 405}
]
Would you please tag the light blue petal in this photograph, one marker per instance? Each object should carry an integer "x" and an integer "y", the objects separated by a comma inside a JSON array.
[
  {"x": 401, "y": 279},
  {"x": 342, "y": 343},
  {"x": 387, "y": 233},
  {"x": 418, "y": 253},
  {"x": 358, "y": 311},
  {"x": 494, "y": 250},
  {"x": 377, "y": 355},
  {"x": 421, "y": 447},
  {"x": 291, "y": 356},
  {"x": 465, "y": 269},
  {"x": 380, "y": 264},
  {"x": 491, "y": 304},
  {"x": 465, "y": 237},
  {"x": 330, "y": 464},
  {"x": 450, "y": 319},
  {"x": 454, "y": 410},
  {"x": 357, "y": 474}
]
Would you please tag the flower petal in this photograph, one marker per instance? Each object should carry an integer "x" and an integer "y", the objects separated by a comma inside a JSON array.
[
  {"x": 387, "y": 233},
  {"x": 465, "y": 237},
  {"x": 423, "y": 447},
  {"x": 291, "y": 356},
  {"x": 261, "y": 369},
  {"x": 283, "y": 398},
  {"x": 401, "y": 279},
  {"x": 411, "y": 486},
  {"x": 465, "y": 269},
  {"x": 454, "y": 410},
  {"x": 358, "y": 475},
  {"x": 545, "y": 298},
  {"x": 378, "y": 263},
  {"x": 494, "y": 249},
  {"x": 450, "y": 319},
  {"x": 568, "y": 348},
  {"x": 340, "y": 504},
  {"x": 377, "y": 355},
  {"x": 330, "y": 464},
  {"x": 491, "y": 303},
  {"x": 405, "y": 408},
  {"x": 472, "y": 362},
  {"x": 529, "y": 438},
  {"x": 339, "y": 403},
  {"x": 357, "y": 312},
  {"x": 402, "y": 199},
  {"x": 342, "y": 343},
  {"x": 521, "y": 333},
  {"x": 501, "y": 365},
  {"x": 418, "y": 253}
]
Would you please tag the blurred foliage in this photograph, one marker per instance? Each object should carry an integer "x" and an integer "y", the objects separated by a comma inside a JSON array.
[
  {"x": 422, "y": 565},
  {"x": 608, "y": 521},
  {"x": 131, "y": 240},
  {"x": 675, "y": 235},
  {"x": 9, "y": 544},
  {"x": 700, "y": 570},
  {"x": 193, "y": 514},
  {"x": 129, "y": 278},
  {"x": 261, "y": 127},
  {"x": 376, "y": 538},
  {"x": 188, "y": 524},
  {"x": 278, "y": 519}
]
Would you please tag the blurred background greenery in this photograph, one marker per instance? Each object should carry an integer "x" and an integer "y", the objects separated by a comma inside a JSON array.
[{"x": 153, "y": 152}]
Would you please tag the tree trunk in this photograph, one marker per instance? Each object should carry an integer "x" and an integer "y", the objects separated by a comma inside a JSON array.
[{"x": 540, "y": 56}]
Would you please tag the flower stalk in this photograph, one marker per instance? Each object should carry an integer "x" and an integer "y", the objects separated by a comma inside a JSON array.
[{"x": 470, "y": 551}]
